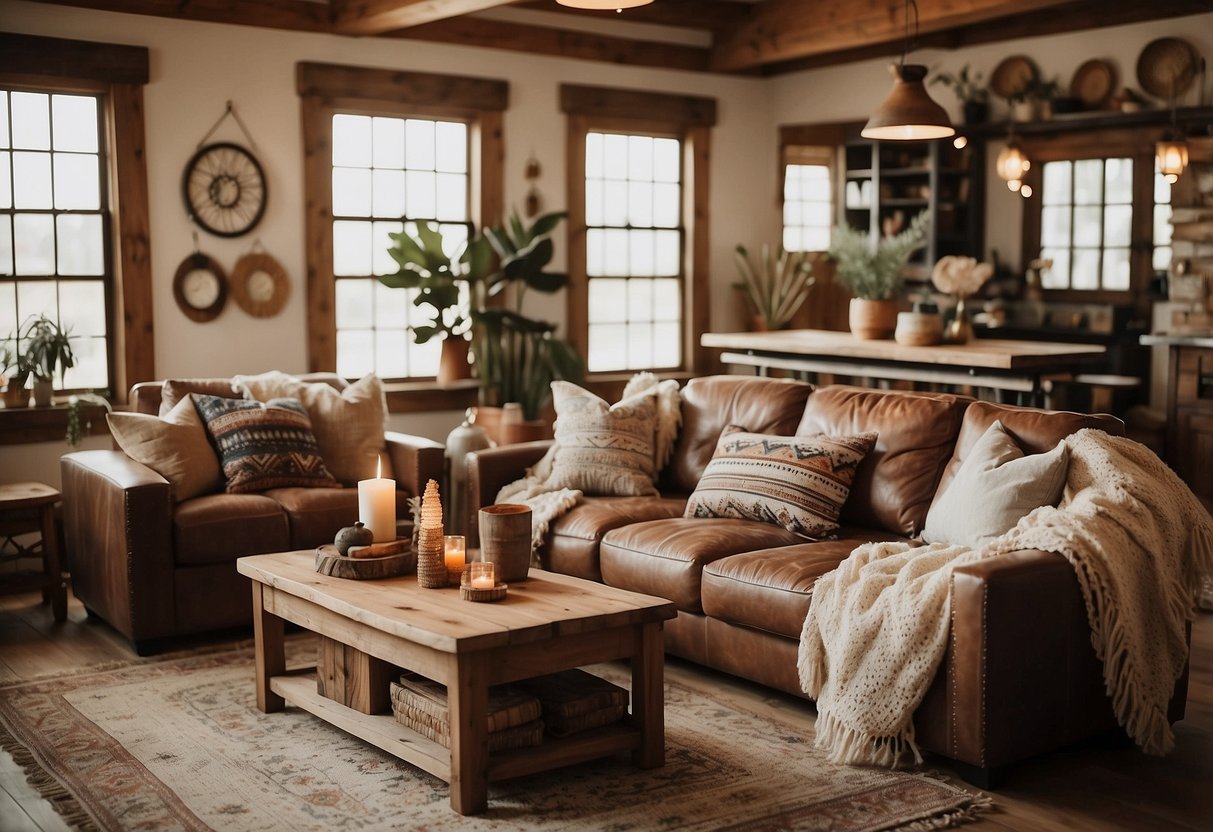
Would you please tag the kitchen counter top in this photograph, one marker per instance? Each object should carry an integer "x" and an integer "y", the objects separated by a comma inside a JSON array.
[{"x": 1163, "y": 339}]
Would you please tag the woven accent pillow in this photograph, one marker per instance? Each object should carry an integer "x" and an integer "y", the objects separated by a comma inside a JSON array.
[
  {"x": 348, "y": 423},
  {"x": 603, "y": 449},
  {"x": 263, "y": 446},
  {"x": 994, "y": 487},
  {"x": 175, "y": 447},
  {"x": 797, "y": 482}
]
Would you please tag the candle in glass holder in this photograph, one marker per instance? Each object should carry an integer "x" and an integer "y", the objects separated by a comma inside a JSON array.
[
  {"x": 454, "y": 551},
  {"x": 483, "y": 575}
]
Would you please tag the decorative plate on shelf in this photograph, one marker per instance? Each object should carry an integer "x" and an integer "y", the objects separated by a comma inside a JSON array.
[
  {"x": 224, "y": 189},
  {"x": 1093, "y": 83},
  {"x": 1012, "y": 75},
  {"x": 259, "y": 285},
  {"x": 1167, "y": 67}
]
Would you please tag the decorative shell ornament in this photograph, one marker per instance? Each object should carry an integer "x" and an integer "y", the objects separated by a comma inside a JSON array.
[{"x": 960, "y": 275}]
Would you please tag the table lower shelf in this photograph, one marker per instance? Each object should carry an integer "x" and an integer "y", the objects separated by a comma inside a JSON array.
[{"x": 384, "y": 732}]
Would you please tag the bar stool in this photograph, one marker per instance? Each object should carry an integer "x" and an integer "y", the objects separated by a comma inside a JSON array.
[{"x": 30, "y": 507}]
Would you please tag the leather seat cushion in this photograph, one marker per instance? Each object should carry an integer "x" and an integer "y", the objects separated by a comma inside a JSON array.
[
  {"x": 216, "y": 528},
  {"x": 316, "y": 514},
  {"x": 666, "y": 557},
  {"x": 895, "y": 483},
  {"x": 574, "y": 537},
  {"x": 771, "y": 589}
]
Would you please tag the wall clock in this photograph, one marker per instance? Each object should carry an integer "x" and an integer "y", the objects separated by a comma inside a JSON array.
[
  {"x": 200, "y": 288},
  {"x": 224, "y": 189},
  {"x": 259, "y": 285}
]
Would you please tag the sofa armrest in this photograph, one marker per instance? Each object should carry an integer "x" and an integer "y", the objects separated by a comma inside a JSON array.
[
  {"x": 415, "y": 460},
  {"x": 489, "y": 470},
  {"x": 117, "y": 524},
  {"x": 1020, "y": 674}
]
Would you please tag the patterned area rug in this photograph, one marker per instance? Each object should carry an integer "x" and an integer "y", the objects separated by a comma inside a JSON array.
[{"x": 179, "y": 744}]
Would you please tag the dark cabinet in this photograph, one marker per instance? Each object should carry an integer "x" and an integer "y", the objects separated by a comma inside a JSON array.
[{"x": 1190, "y": 418}]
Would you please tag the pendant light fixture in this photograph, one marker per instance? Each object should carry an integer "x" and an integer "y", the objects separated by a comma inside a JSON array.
[
  {"x": 1012, "y": 164},
  {"x": 603, "y": 5},
  {"x": 909, "y": 113},
  {"x": 1172, "y": 150}
]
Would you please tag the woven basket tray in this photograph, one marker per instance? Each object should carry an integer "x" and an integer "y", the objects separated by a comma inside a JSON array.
[
  {"x": 575, "y": 701},
  {"x": 513, "y": 715}
]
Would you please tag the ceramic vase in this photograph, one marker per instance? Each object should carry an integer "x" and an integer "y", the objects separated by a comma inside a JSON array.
[
  {"x": 960, "y": 329},
  {"x": 872, "y": 320}
]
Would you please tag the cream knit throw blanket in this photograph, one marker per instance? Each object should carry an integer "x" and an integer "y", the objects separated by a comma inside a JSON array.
[{"x": 1137, "y": 538}]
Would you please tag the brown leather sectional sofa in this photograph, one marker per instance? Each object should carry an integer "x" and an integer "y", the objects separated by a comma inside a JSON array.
[
  {"x": 156, "y": 569},
  {"x": 1020, "y": 676}
]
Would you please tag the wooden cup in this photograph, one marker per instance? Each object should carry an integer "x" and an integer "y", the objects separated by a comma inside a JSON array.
[{"x": 505, "y": 539}]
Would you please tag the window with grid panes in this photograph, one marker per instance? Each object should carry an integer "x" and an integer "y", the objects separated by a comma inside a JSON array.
[
  {"x": 388, "y": 173},
  {"x": 1086, "y": 223},
  {"x": 54, "y": 247},
  {"x": 807, "y": 207},
  {"x": 1161, "y": 257},
  {"x": 634, "y": 251}
]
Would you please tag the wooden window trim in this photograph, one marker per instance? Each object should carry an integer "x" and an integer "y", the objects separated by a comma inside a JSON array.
[
  {"x": 690, "y": 119},
  {"x": 327, "y": 88},
  {"x": 118, "y": 73}
]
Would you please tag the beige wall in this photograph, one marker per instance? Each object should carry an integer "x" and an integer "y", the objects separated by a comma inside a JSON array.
[{"x": 197, "y": 67}]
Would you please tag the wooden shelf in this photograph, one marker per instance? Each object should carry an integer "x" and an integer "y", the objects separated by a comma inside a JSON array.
[
  {"x": 900, "y": 172},
  {"x": 1074, "y": 122},
  {"x": 904, "y": 203}
]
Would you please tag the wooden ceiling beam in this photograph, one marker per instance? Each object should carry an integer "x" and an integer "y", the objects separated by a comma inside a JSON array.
[
  {"x": 783, "y": 30},
  {"x": 564, "y": 43},
  {"x": 714, "y": 15},
  {"x": 375, "y": 17},
  {"x": 296, "y": 15}
]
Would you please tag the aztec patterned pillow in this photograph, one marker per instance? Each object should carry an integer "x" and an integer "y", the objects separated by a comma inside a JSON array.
[
  {"x": 263, "y": 446},
  {"x": 797, "y": 482},
  {"x": 603, "y": 449}
]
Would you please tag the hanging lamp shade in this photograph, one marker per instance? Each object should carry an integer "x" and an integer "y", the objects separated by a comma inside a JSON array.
[
  {"x": 1172, "y": 154},
  {"x": 603, "y": 4},
  {"x": 908, "y": 114},
  {"x": 1012, "y": 164}
]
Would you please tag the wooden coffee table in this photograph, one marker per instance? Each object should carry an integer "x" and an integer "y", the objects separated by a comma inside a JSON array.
[{"x": 369, "y": 629}]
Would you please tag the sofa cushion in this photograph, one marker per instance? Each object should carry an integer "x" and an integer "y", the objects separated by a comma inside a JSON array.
[
  {"x": 995, "y": 486},
  {"x": 666, "y": 557},
  {"x": 796, "y": 482},
  {"x": 316, "y": 514},
  {"x": 348, "y": 423},
  {"x": 263, "y": 446},
  {"x": 1035, "y": 431},
  {"x": 601, "y": 448},
  {"x": 175, "y": 447},
  {"x": 770, "y": 589},
  {"x": 762, "y": 405},
  {"x": 176, "y": 389},
  {"x": 896, "y": 482},
  {"x": 218, "y": 528},
  {"x": 574, "y": 537}
]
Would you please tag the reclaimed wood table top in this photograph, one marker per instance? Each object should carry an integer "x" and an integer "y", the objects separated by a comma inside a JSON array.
[
  {"x": 988, "y": 353},
  {"x": 545, "y": 606}
]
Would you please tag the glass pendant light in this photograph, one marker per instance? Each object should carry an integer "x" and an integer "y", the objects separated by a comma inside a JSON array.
[
  {"x": 1172, "y": 153},
  {"x": 909, "y": 113},
  {"x": 1012, "y": 164}
]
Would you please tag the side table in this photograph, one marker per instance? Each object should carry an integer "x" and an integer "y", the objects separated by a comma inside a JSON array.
[{"x": 17, "y": 502}]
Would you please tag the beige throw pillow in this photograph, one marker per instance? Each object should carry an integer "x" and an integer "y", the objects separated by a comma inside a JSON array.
[
  {"x": 175, "y": 447},
  {"x": 348, "y": 423},
  {"x": 995, "y": 486},
  {"x": 603, "y": 449}
]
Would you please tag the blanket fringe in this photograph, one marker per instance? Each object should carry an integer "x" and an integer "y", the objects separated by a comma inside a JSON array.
[
  {"x": 848, "y": 746},
  {"x": 47, "y": 785},
  {"x": 978, "y": 805}
]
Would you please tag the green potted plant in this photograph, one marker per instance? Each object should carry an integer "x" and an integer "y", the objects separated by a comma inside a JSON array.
[
  {"x": 47, "y": 348},
  {"x": 871, "y": 271},
  {"x": 776, "y": 286},
  {"x": 16, "y": 371},
  {"x": 974, "y": 97}
]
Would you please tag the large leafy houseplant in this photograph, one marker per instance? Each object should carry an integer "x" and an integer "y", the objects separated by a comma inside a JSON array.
[{"x": 871, "y": 270}]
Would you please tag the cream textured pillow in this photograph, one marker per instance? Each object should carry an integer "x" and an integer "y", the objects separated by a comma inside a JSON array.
[
  {"x": 175, "y": 447},
  {"x": 797, "y": 482},
  {"x": 348, "y": 423},
  {"x": 995, "y": 486},
  {"x": 603, "y": 449}
]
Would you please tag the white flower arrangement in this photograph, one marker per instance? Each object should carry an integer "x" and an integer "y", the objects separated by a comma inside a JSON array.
[{"x": 960, "y": 275}]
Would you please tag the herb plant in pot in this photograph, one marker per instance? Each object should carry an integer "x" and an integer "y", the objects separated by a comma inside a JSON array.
[
  {"x": 47, "y": 348},
  {"x": 974, "y": 97},
  {"x": 871, "y": 271},
  {"x": 16, "y": 370}
]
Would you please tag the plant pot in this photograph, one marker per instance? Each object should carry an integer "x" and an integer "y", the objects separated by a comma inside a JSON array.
[
  {"x": 511, "y": 432},
  {"x": 453, "y": 360},
  {"x": 44, "y": 393},
  {"x": 976, "y": 112},
  {"x": 918, "y": 329},
  {"x": 873, "y": 320},
  {"x": 1023, "y": 110},
  {"x": 16, "y": 394},
  {"x": 505, "y": 540}
]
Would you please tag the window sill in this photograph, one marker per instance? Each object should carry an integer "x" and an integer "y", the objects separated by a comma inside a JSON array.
[
  {"x": 425, "y": 396},
  {"x": 23, "y": 425}
]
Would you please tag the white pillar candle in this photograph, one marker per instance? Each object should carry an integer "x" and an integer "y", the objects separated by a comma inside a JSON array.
[{"x": 377, "y": 506}]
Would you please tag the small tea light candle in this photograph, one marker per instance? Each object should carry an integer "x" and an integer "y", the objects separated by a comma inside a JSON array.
[
  {"x": 454, "y": 551},
  {"x": 484, "y": 576}
]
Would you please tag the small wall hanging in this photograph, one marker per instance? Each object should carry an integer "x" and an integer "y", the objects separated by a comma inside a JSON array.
[
  {"x": 259, "y": 284},
  {"x": 534, "y": 200},
  {"x": 223, "y": 185},
  {"x": 200, "y": 286}
]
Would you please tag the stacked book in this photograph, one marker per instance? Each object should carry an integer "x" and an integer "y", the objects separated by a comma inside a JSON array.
[
  {"x": 575, "y": 701},
  {"x": 513, "y": 715}
]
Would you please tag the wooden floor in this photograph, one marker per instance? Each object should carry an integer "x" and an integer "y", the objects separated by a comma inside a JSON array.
[{"x": 1102, "y": 786}]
